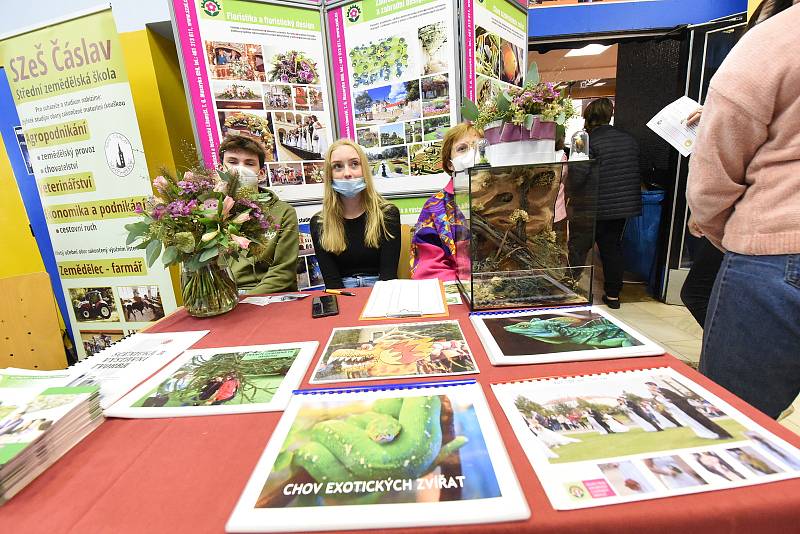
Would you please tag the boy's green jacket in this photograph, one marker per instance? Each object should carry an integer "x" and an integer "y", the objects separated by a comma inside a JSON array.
[{"x": 275, "y": 268}]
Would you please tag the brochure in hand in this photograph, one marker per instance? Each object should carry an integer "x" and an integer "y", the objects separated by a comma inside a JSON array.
[
  {"x": 384, "y": 351},
  {"x": 636, "y": 435},
  {"x": 558, "y": 335},
  {"x": 416, "y": 455},
  {"x": 226, "y": 380}
]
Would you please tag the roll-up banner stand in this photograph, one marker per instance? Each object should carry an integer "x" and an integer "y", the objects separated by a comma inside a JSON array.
[
  {"x": 389, "y": 74},
  {"x": 258, "y": 69},
  {"x": 71, "y": 90},
  {"x": 396, "y": 77}
]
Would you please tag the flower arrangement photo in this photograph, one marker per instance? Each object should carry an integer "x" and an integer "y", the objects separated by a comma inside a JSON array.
[
  {"x": 238, "y": 92},
  {"x": 251, "y": 125},
  {"x": 203, "y": 221},
  {"x": 293, "y": 67}
]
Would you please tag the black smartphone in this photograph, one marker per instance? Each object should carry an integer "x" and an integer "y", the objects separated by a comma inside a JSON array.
[{"x": 324, "y": 306}]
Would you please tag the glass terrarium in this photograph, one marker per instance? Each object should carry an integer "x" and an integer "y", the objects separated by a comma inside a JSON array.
[{"x": 531, "y": 233}]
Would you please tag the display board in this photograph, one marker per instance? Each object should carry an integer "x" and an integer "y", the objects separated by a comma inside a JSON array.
[
  {"x": 495, "y": 47},
  {"x": 396, "y": 79},
  {"x": 71, "y": 90},
  {"x": 258, "y": 69}
]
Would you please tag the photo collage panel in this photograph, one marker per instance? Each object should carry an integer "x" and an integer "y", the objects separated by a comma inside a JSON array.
[
  {"x": 275, "y": 97},
  {"x": 402, "y": 100},
  {"x": 309, "y": 273}
]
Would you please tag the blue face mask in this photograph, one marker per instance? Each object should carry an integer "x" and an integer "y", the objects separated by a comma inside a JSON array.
[{"x": 349, "y": 188}]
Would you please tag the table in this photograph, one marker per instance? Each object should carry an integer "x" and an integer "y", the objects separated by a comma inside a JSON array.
[{"x": 186, "y": 474}]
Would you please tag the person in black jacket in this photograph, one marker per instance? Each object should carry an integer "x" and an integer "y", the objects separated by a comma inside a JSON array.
[{"x": 618, "y": 196}]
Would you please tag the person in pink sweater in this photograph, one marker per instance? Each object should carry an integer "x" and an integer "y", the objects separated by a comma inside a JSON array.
[{"x": 744, "y": 194}]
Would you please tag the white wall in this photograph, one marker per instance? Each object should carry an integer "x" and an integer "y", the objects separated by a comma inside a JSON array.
[{"x": 130, "y": 15}]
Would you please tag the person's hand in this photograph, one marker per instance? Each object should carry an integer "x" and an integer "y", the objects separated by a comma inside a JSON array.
[
  {"x": 694, "y": 229},
  {"x": 694, "y": 116}
]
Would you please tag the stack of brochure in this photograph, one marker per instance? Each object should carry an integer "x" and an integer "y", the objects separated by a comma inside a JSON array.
[{"x": 39, "y": 423}]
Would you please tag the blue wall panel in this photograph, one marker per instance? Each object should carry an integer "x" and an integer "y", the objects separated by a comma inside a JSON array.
[{"x": 623, "y": 16}]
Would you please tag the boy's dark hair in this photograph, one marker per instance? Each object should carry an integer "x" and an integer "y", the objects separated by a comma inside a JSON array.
[{"x": 240, "y": 142}]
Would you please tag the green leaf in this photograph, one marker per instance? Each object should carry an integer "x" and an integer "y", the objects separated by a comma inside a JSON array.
[
  {"x": 170, "y": 255},
  {"x": 561, "y": 118},
  {"x": 532, "y": 76},
  {"x": 561, "y": 131},
  {"x": 529, "y": 119},
  {"x": 153, "y": 251},
  {"x": 209, "y": 253},
  {"x": 144, "y": 244},
  {"x": 131, "y": 238},
  {"x": 503, "y": 102},
  {"x": 138, "y": 227},
  {"x": 469, "y": 111}
]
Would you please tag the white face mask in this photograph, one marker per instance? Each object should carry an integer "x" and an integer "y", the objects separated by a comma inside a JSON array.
[
  {"x": 247, "y": 178},
  {"x": 464, "y": 161}
]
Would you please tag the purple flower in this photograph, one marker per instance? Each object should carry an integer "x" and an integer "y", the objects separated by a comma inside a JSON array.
[
  {"x": 211, "y": 204},
  {"x": 284, "y": 78},
  {"x": 159, "y": 211},
  {"x": 138, "y": 209}
]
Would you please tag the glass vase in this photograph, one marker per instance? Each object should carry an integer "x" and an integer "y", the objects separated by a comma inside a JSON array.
[{"x": 209, "y": 290}]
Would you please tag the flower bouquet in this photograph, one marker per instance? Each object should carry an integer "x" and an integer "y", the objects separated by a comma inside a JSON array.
[
  {"x": 293, "y": 67},
  {"x": 204, "y": 222},
  {"x": 520, "y": 124}
]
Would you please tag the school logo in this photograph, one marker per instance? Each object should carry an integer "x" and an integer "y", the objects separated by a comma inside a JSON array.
[
  {"x": 119, "y": 154},
  {"x": 212, "y": 8},
  {"x": 353, "y": 13}
]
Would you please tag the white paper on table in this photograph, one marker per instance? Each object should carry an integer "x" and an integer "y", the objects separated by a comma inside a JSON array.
[
  {"x": 122, "y": 366},
  {"x": 405, "y": 298},
  {"x": 263, "y": 301},
  {"x": 670, "y": 125}
]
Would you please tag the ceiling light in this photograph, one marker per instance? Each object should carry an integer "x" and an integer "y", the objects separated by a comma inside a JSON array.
[{"x": 588, "y": 50}]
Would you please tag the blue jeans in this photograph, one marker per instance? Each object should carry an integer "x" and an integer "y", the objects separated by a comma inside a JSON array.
[
  {"x": 360, "y": 280},
  {"x": 751, "y": 343}
]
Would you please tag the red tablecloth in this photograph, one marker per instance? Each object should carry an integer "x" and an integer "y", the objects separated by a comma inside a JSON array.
[{"x": 186, "y": 474}]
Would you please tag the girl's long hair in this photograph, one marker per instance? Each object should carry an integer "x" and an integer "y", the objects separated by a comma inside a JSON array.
[{"x": 333, "y": 238}]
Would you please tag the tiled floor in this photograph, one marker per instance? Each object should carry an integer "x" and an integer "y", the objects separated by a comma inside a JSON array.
[{"x": 675, "y": 329}]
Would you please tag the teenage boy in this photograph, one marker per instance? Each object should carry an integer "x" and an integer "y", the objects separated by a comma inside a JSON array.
[{"x": 275, "y": 268}]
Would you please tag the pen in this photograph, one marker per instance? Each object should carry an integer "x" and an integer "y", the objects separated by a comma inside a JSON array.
[{"x": 339, "y": 292}]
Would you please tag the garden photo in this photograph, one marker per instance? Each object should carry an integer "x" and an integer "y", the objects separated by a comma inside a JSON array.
[
  {"x": 426, "y": 158},
  {"x": 435, "y": 127},
  {"x": 413, "y": 131},
  {"x": 392, "y": 134},
  {"x": 389, "y": 103},
  {"x": 435, "y": 95},
  {"x": 390, "y": 162},
  {"x": 382, "y": 60},
  {"x": 368, "y": 137}
]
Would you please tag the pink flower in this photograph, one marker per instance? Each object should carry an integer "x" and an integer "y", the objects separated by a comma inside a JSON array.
[
  {"x": 211, "y": 204},
  {"x": 160, "y": 183},
  {"x": 188, "y": 176},
  {"x": 241, "y": 241},
  {"x": 227, "y": 206},
  {"x": 241, "y": 218}
]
